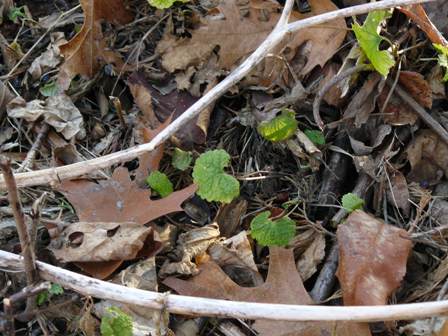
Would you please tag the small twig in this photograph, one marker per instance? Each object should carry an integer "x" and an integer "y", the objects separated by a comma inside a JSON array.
[
  {"x": 425, "y": 116},
  {"x": 187, "y": 305},
  {"x": 25, "y": 243},
  {"x": 31, "y": 155},
  {"x": 336, "y": 79},
  {"x": 281, "y": 30}
]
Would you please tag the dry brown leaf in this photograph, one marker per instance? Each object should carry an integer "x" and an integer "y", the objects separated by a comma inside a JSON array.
[
  {"x": 141, "y": 91},
  {"x": 57, "y": 111},
  {"x": 237, "y": 34},
  {"x": 416, "y": 85},
  {"x": 120, "y": 199},
  {"x": 418, "y": 14},
  {"x": 100, "y": 241},
  {"x": 49, "y": 59},
  {"x": 396, "y": 113},
  {"x": 5, "y": 97},
  {"x": 372, "y": 259},
  {"x": 398, "y": 192},
  {"x": 229, "y": 216},
  {"x": 364, "y": 101},
  {"x": 87, "y": 51},
  {"x": 428, "y": 156},
  {"x": 283, "y": 285}
]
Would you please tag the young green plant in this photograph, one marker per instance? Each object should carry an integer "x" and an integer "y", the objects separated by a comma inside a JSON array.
[
  {"x": 268, "y": 232},
  {"x": 116, "y": 323}
]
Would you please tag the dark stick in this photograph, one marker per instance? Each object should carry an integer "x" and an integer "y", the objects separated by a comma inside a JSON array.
[
  {"x": 14, "y": 202},
  {"x": 327, "y": 276}
]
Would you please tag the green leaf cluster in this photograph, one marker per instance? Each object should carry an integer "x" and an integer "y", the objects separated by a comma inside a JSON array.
[
  {"x": 42, "y": 297},
  {"x": 213, "y": 183},
  {"x": 369, "y": 40},
  {"x": 352, "y": 202},
  {"x": 269, "y": 232},
  {"x": 16, "y": 13},
  {"x": 280, "y": 128},
  {"x": 164, "y": 4},
  {"x": 160, "y": 183},
  {"x": 442, "y": 58},
  {"x": 116, "y": 323}
]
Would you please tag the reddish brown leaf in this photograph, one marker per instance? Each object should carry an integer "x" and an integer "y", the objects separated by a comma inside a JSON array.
[
  {"x": 416, "y": 85},
  {"x": 372, "y": 259},
  {"x": 283, "y": 285},
  {"x": 85, "y": 52},
  {"x": 396, "y": 112},
  {"x": 120, "y": 199},
  {"x": 417, "y": 14}
]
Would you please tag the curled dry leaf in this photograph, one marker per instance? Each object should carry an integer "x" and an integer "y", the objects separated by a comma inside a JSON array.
[
  {"x": 191, "y": 244},
  {"x": 85, "y": 53},
  {"x": 100, "y": 241},
  {"x": 235, "y": 254},
  {"x": 428, "y": 156},
  {"x": 283, "y": 285},
  {"x": 229, "y": 216},
  {"x": 372, "y": 259},
  {"x": 57, "y": 111},
  {"x": 49, "y": 59},
  {"x": 237, "y": 32},
  {"x": 418, "y": 14}
]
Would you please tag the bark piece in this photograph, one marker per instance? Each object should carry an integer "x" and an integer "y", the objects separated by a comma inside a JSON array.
[{"x": 372, "y": 259}]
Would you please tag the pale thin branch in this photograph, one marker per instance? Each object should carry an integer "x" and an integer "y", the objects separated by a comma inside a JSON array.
[
  {"x": 187, "y": 305},
  {"x": 49, "y": 175}
]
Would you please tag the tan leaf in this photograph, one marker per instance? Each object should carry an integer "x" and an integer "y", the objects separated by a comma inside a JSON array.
[
  {"x": 100, "y": 241},
  {"x": 311, "y": 257},
  {"x": 372, "y": 259},
  {"x": 238, "y": 33},
  {"x": 87, "y": 51},
  {"x": 283, "y": 285},
  {"x": 428, "y": 156}
]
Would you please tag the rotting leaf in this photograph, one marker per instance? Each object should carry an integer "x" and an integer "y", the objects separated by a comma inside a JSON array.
[
  {"x": 283, "y": 285},
  {"x": 372, "y": 259},
  {"x": 99, "y": 241},
  {"x": 238, "y": 35},
  {"x": 85, "y": 52},
  {"x": 369, "y": 40}
]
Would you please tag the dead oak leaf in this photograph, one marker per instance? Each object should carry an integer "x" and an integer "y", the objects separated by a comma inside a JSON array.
[
  {"x": 85, "y": 52},
  {"x": 372, "y": 259},
  {"x": 283, "y": 285},
  {"x": 238, "y": 32},
  {"x": 101, "y": 241},
  {"x": 120, "y": 199}
]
